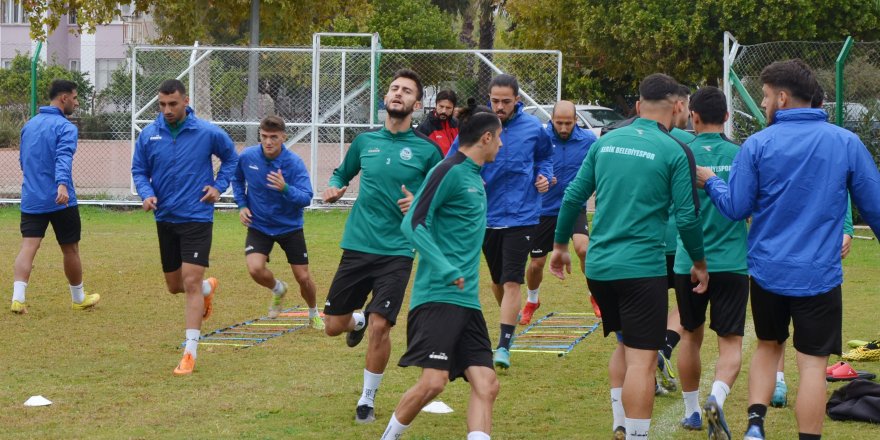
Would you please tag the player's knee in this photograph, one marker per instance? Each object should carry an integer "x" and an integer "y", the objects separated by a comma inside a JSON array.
[
  {"x": 333, "y": 325},
  {"x": 433, "y": 386},
  {"x": 255, "y": 270},
  {"x": 488, "y": 389},
  {"x": 379, "y": 327},
  {"x": 302, "y": 278}
]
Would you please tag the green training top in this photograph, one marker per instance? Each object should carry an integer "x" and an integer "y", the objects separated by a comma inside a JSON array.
[
  {"x": 446, "y": 224},
  {"x": 386, "y": 161},
  {"x": 725, "y": 241},
  {"x": 636, "y": 172},
  {"x": 684, "y": 137}
]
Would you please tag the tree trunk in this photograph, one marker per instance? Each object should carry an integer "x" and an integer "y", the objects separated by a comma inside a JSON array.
[{"x": 487, "y": 42}]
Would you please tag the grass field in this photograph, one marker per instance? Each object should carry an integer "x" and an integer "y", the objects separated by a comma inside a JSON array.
[{"x": 108, "y": 371}]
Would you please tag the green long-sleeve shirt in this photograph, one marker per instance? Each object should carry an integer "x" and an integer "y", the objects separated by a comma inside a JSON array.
[
  {"x": 446, "y": 224},
  {"x": 684, "y": 137},
  {"x": 636, "y": 172},
  {"x": 385, "y": 161}
]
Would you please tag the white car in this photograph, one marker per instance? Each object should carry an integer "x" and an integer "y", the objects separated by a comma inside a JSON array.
[{"x": 590, "y": 117}]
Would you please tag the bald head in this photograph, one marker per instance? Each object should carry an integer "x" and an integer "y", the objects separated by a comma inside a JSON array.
[{"x": 564, "y": 118}]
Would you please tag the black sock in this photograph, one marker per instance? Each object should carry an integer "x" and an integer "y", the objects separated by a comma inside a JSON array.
[
  {"x": 757, "y": 412},
  {"x": 802, "y": 436},
  {"x": 506, "y": 335},
  {"x": 672, "y": 339}
]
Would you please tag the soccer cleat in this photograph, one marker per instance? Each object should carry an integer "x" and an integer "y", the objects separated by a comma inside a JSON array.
[
  {"x": 277, "y": 298},
  {"x": 780, "y": 395},
  {"x": 502, "y": 358},
  {"x": 364, "y": 414},
  {"x": 665, "y": 375},
  {"x": 714, "y": 415},
  {"x": 209, "y": 300},
  {"x": 855, "y": 343},
  {"x": 186, "y": 365},
  {"x": 88, "y": 302},
  {"x": 595, "y": 305},
  {"x": 354, "y": 337},
  {"x": 18, "y": 307},
  {"x": 317, "y": 323},
  {"x": 692, "y": 423},
  {"x": 867, "y": 352},
  {"x": 619, "y": 433},
  {"x": 754, "y": 433},
  {"x": 659, "y": 390},
  {"x": 527, "y": 312}
]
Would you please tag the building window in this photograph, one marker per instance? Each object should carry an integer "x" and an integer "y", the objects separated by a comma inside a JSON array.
[
  {"x": 74, "y": 65},
  {"x": 71, "y": 17},
  {"x": 104, "y": 69},
  {"x": 7, "y": 63},
  {"x": 13, "y": 13}
]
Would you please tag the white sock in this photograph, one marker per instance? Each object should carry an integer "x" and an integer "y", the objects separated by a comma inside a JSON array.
[
  {"x": 691, "y": 402},
  {"x": 780, "y": 375},
  {"x": 313, "y": 311},
  {"x": 617, "y": 407},
  {"x": 279, "y": 287},
  {"x": 77, "y": 294},
  {"x": 478, "y": 435},
  {"x": 533, "y": 296},
  {"x": 637, "y": 429},
  {"x": 394, "y": 430},
  {"x": 192, "y": 341},
  {"x": 206, "y": 288},
  {"x": 720, "y": 390},
  {"x": 359, "y": 321},
  {"x": 371, "y": 387},
  {"x": 18, "y": 289}
]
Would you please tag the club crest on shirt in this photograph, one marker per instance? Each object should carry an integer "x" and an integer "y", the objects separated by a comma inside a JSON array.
[{"x": 406, "y": 153}]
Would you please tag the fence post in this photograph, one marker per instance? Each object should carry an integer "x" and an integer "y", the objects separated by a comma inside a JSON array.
[
  {"x": 34, "y": 78},
  {"x": 839, "y": 83},
  {"x": 750, "y": 103}
]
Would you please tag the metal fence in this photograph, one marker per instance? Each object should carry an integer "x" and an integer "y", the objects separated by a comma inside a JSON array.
[
  {"x": 849, "y": 73},
  {"x": 327, "y": 94}
]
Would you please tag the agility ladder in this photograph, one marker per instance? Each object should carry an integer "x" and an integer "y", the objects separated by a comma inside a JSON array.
[{"x": 556, "y": 332}]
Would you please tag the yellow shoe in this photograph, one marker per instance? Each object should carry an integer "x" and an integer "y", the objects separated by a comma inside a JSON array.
[
  {"x": 186, "y": 365},
  {"x": 88, "y": 302},
  {"x": 209, "y": 300},
  {"x": 18, "y": 307},
  {"x": 277, "y": 299},
  {"x": 316, "y": 322},
  {"x": 867, "y": 352}
]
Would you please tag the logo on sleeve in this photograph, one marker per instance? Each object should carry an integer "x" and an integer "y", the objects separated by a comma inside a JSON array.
[
  {"x": 253, "y": 167},
  {"x": 156, "y": 137},
  {"x": 406, "y": 153}
]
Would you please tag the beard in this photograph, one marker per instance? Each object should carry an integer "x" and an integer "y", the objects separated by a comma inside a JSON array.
[{"x": 400, "y": 114}]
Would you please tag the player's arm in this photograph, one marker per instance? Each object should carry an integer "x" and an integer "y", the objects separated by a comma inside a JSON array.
[
  {"x": 64, "y": 151},
  {"x": 863, "y": 183},
  {"x": 224, "y": 149},
  {"x": 141, "y": 168},
  {"x": 544, "y": 156},
  {"x": 350, "y": 167},
  {"x": 299, "y": 190},
  {"x": 686, "y": 206},
  {"x": 239, "y": 187},
  {"x": 418, "y": 223},
  {"x": 847, "y": 221},
  {"x": 576, "y": 195},
  {"x": 736, "y": 198}
]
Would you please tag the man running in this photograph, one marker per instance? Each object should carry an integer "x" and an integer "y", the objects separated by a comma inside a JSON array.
[
  {"x": 271, "y": 187},
  {"x": 173, "y": 171},
  {"x": 376, "y": 256}
]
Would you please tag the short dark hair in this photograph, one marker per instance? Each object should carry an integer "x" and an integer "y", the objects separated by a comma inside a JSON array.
[
  {"x": 170, "y": 86},
  {"x": 410, "y": 74},
  {"x": 683, "y": 91},
  {"x": 710, "y": 103},
  {"x": 794, "y": 76},
  {"x": 505, "y": 80},
  {"x": 472, "y": 109},
  {"x": 272, "y": 123},
  {"x": 473, "y": 128},
  {"x": 60, "y": 86},
  {"x": 447, "y": 95},
  {"x": 658, "y": 86},
  {"x": 818, "y": 97}
]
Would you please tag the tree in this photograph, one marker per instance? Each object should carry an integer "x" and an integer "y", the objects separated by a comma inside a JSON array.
[
  {"x": 399, "y": 28},
  {"x": 45, "y": 15}
]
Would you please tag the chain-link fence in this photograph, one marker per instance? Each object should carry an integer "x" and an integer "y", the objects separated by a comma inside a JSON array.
[{"x": 860, "y": 83}]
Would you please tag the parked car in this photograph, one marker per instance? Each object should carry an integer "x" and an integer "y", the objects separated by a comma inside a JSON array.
[{"x": 590, "y": 117}]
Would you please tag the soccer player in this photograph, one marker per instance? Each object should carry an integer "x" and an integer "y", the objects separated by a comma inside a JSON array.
[
  {"x": 376, "y": 256},
  {"x": 440, "y": 125},
  {"x": 570, "y": 145},
  {"x": 636, "y": 171},
  {"x": 514, "y": 183},
  {"x": 271, "y": 187},
  {"x": 725, "y": 249},
  {"x": 174, "y": 176},
  {"x": 792, "y": 178},
  {"x": 48, "y": 143},
  {"x": 446, "y": 331}
]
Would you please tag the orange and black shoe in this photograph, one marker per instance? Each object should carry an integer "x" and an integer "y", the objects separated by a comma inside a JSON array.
[
  {"x": 527, "y": 312},
  {"x": 186, "y": 365}
]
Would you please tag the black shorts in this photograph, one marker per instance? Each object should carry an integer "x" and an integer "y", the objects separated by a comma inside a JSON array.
[
  {"x": 292, "y": 243},
  {"x": 817, "y": 319},
  {"x": 542, "y": 243},
  {"x": 670, "y": 274},
  {"x": 180, "y": 243},
  {"x": 65, "y": 223},
  {"x": 358, "y": 274},
  {"x": 729, "y": 294},
  {"x": 507, "y": 251},
  {"x": 447, "y": 337},
  {"x": 636, "y": 307}
]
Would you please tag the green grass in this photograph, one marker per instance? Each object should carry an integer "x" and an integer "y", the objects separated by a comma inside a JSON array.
[{"x": 108, "y": 371}]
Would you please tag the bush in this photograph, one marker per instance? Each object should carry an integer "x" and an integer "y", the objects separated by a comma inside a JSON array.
[{"x": 10, "y": 128}]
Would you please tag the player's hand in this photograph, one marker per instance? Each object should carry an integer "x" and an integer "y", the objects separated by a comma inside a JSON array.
[
  {"x": 62, "y": 198},
  {"x": 244, "y": 214},
  {"x": 406, "y": 201},
  {"x": 847, "y": 245},
  {"x": 333, "y": 194},
  {"x": 460, "y": 283},
  {"x": 276, "y": 180},
  {"x": 150, "y": 203},
  {"x": 560, "y": 260},
  {"x": 542, "y": 183},
  {"x": 212, "y": 195},
  {"x": 553, "y": 181},
  {"x": 703, "y": 174},
  {"x": 699, "y": 273}
]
